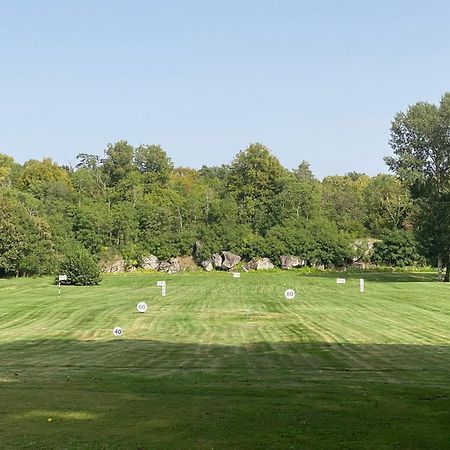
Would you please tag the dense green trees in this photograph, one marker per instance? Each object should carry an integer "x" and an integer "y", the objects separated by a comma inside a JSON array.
[
  {"x": 133, "y": 201},
  {"x": 26, "y": 245},
  {"x": 420, "y": 139}
]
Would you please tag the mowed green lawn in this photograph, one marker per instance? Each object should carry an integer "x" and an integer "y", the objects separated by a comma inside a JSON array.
[{"x": 224, "y": 363}]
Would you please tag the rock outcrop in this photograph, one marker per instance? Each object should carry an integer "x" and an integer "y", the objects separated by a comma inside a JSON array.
[
  {"x": 216, "y": 261},
  {"x": 259, "y": 264},
  {"x": 230, "y": 260},
  {"x": 207, "y": 265},
  {"x": 175, "y": 266},
  {"x": 164, "y": 266},
  {"x": 172, "y": 266},
  {"x": 150, "y": 262},
  {"x": 114, "y": 266},
  {"x": 290, "y": 261}
]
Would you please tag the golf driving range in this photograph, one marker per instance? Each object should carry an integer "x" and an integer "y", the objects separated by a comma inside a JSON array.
[{"x": 226, "y": 363}]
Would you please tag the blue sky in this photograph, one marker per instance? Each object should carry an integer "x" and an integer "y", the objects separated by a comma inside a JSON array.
[{"x": 319, "y": 81}]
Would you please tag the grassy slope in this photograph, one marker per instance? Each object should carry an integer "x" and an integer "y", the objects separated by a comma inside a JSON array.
[{"x": 226, "y": 363}]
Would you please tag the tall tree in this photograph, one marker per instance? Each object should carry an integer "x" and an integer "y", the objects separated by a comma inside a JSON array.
[
  {"x": 39, "y": 177},
  {"x": 420, "y": 140},
  {"x": 388, "y": 204},
  {"x": 118, "y": 162},
  {"x": 152, "y": 161},
  {"x": 254, "y": 179},
  {"x": 6, "y": 167}
]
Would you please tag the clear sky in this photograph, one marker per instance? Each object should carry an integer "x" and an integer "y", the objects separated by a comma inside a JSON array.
[{"x": 313, "y": 80}]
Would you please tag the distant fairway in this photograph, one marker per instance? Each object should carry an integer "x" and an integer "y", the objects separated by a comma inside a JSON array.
[{"x": 224, "y": 363}]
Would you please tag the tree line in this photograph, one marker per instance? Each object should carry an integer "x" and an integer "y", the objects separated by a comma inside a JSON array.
[{"x": 132, "y": 201}]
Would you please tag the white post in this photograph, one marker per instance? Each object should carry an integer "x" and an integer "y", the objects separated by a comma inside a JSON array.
[
  {"x": 162, "y": 285},
  {"x": 361, "y": 285}
]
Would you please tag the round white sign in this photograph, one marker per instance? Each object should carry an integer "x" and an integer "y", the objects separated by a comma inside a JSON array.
[
  {"x": 142, "y": 307},
  {"x": 289, "y": 294},
  {"x": 117, "y": 331}
]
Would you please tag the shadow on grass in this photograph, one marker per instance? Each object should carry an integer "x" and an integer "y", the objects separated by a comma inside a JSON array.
[{"x": 162, "y": 395}]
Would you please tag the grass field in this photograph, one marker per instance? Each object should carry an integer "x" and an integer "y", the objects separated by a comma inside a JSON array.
[{"x": 224, "y": 363}]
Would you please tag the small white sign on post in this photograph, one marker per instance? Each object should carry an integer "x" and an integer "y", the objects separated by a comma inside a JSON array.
[
  {"x": 162, "y": 285},
  {"x": 61, "y": 277},
  {"x": 340, "y": 280},
  {"x": 236, "y": 275},
  {"x": 117, "y": 332},
  {"x": 361, "y": 285},
  {"x": 141, "y": 307},
  {"x": 289, "y": 294}
]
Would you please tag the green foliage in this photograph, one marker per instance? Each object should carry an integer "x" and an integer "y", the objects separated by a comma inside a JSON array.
[
  {"x": 344, "y": 202},
  {"x": 388, "y": 204},
  {"x": 81, "y": 268},
  {"x": 132, "y": 202},
  {"x": 315, "y": 241},
  {"x": 118, "y": 162},
  {"x": 153, "y": 162},
  {"x": 26, "y": 246},
  {"x": 6, "y": 169},
  {"x": 398, "y": 249},
  {"x": 420, "y": 141},
  {"x": 41, "y": 177},
  {"x": 255, "y": 173}
]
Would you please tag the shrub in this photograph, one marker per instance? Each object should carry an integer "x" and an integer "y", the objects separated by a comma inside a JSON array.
[
  {"x": 398, "y": 248},
  {"x": 80, "y": 268}
]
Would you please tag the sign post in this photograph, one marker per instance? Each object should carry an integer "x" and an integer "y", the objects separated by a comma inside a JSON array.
[
  {"x": 162, "y": 285},
  {"x": 61, "y": 277},
  {"x": 361, "y": 285}
]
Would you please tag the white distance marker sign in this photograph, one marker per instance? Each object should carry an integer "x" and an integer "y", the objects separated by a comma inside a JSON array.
[
  {"x": 62, "y": 277},
  {"x": 162, "y": 285},
  {"x": 340, "y": 280},
  {"x": 142, "y": 307},
  {"x": 236, "y": 275},
  {"x": 117, "y": 332},
  {"x": 289, "y": 294},
  {"x": 361, "y": 285}
]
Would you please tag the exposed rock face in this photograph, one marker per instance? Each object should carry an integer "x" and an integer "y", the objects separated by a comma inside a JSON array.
[
  {"x": 208, "y": 265},
  {"x": 289, "y": 261},
  {"x": 175, "y": 266},
  {"x": 264, "y": 264},
  {"x": 114, "y": 266},
  {"x": 217, "y": 261},
  {"x": 358, "y": 265},
  {"x": 164, "y": 266},
  {"x": 259, "y": 264},
  {"x": 319, "y": 265},
  {"x": 172, "y": 266},
  {"x": 230, "y": 260},
  {"x": 150, "y": 262},
  {"x": 363, "y": 248}
]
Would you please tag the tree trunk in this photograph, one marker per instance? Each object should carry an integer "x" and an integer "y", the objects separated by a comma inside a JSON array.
[
  {"x": 440, "y": 271},
  {"x": 447, "y": 270}
]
